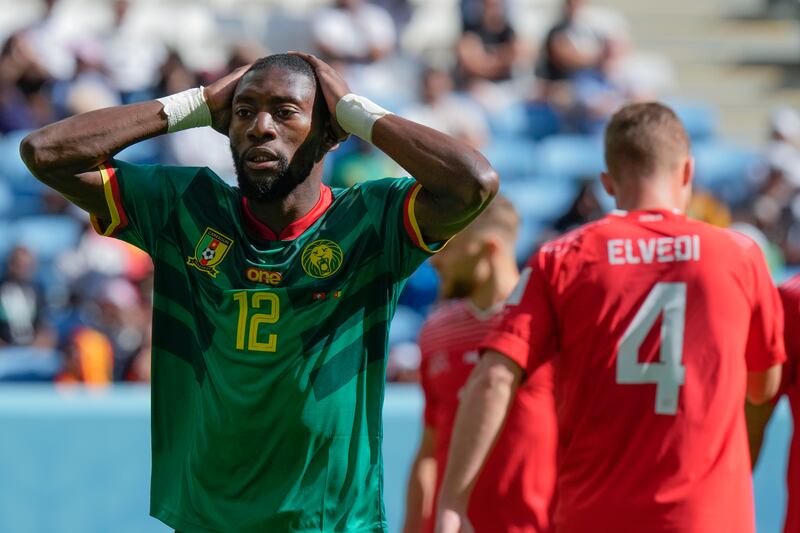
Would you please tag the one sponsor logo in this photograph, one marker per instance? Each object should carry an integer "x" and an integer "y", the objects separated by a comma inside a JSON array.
[
  {"x": 322, "y": 258},
  {"x": 260, "y": 275},
  {"x": 211, "y": 249}
]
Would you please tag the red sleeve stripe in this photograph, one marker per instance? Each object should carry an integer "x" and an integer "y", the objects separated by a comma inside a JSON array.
[
  {"x": 410, "y": 219},
  {"x": 113, "y": 200}
]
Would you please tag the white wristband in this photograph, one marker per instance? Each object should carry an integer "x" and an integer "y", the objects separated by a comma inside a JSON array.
[
  {"x": 356, "y": 115},
  {"x": 187, "y": 109}
]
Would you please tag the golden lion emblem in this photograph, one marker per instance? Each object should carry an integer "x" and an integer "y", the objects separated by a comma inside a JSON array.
[{"x": 322, "y": 258}]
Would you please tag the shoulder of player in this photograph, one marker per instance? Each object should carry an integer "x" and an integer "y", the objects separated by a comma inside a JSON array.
[
  {"x": 735, "y": 237},
  {"x": 574, "y": 238}
]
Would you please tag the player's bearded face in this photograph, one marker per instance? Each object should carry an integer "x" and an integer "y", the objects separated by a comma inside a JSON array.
[
  {"x": 275, "y": 133},
  {"x": 277, "y": 182}
]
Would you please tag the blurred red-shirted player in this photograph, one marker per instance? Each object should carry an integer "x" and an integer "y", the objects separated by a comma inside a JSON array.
[
  {"x": 657, "y": 326},
  {"x": 514, "y": 492},
  {"x": 758, "y": 416}
]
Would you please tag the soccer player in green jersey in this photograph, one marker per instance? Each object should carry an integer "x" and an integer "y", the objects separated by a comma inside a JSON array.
[{"x": 272, "y": 299}]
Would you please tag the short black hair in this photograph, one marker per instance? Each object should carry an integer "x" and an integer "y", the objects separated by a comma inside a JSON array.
[{"x": 290, "y": 62}]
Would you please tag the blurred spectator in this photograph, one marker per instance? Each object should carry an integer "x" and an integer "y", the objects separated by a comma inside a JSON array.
[
  {"x": 22, "y": 303},
  {"x": 585, "y": 208},
  {"x": 442, "y": 109},
  {"x": 782, "y": 152},
  {"x": 571, "y": 45},
  {"x": 132, "y": 55},
  {"x": 50, "y": 43},
  {"x": 359, "y": 39},
  {"x": 118, "y": 314},
  {"x": 706, "y": 207},
  {"x": 88, "y": 358},
  {"x": 400, "y": 11},
  {"x": 488, "y": 48},
  {"x": 354, "y": 31},
  {"x": 24, "y": 100},
  {"x": 90, "y": 88}
]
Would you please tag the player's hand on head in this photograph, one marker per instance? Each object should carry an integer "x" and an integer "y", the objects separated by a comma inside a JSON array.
[
  {"x": 333, "y": 87},
  {"x": 451, "y": 521},
  {"x": 219, "y": 96}
]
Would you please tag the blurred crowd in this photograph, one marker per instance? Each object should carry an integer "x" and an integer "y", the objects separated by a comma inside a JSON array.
[{"x": 531, "y": 88}]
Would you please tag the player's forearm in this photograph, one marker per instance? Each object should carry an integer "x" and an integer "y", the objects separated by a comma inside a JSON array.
[
  {"x": 420, "y": 493},
  {"x": 484, "y": 404},
  {"x": 757, "y": 417},
  {"x": 80, "y": 143},
  {"x": 459, "y": 177}
]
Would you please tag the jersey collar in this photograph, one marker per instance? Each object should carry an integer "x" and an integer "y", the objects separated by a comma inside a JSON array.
[
  {"x": 624, "y": 213},
  {"x": 296, "y": 228}
]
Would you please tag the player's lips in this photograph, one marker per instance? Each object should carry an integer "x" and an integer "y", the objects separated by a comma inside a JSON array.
[{"x": 261, "y": 158}]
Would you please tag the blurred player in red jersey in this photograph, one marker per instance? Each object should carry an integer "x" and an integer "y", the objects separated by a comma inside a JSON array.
[
  {"x": 657, "y": 326},
  {"x": 759, "y": 415},
  {"x": 513, "y": 494}
]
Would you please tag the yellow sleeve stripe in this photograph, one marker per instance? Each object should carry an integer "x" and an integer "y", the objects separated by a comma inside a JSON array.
[
  {"x": 411, "y": 220},
  {"x": 115, "y": 211}
]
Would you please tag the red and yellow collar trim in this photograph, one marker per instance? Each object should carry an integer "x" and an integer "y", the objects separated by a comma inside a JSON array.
[{"x": 296, "y": 228}]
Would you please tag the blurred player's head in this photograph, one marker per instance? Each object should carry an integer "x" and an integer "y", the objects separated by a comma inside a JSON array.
[
  {"x": 484, "y": 249},
  {"x": 648, "y": 158},
  {"x": 280, "y": 127}
]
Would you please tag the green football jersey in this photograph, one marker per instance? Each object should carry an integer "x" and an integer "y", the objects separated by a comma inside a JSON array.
[{"x": 269, "y": 356}]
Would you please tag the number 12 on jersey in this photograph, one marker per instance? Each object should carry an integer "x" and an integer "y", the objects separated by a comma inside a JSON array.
[
  {"x": 249, "y": 302},
  {"x": 668, "y": 373}
]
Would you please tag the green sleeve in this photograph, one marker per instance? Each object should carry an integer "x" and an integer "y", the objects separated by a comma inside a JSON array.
[
  {"x": 390, "y": 204},
  {"x": 141, "y": 199}
]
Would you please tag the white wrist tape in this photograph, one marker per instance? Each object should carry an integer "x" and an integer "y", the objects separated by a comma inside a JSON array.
[
  {"x": 187, "y": 109},
  {"x": 356, "y": 115}
]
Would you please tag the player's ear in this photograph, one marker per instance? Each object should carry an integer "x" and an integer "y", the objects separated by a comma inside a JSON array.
[
  {"x": 608, "y": 183},
  {"x": 688, "y": 172}
]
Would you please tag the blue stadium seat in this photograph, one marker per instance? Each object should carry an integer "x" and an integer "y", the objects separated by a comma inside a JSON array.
[
  {"x": 511, "y": 122},
  {"x": 25, "y": 363},
  {"x": 46, "y": 235},
  {"x": 512, "y": 158},
  {"x": 540, "y": 198},
  {"x": 11, "y": 166},
  {"x": 143, "y": 153},
  {"x": 725, "y": 169},
  {"x": 421, "y": 288},
  {"x": 543, "y": 121},
  {"x": 699, "y": 118},
  {"x": 528, "y": 239},
  {"x": 570, "y": 156},
  {"x": 405, "y": 325}
]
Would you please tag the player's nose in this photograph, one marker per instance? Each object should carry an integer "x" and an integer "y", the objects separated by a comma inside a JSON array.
[{"x": 263, "y": 127}]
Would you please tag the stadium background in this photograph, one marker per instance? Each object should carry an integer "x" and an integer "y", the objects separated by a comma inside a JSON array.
[{"x": 74, "y": 308}]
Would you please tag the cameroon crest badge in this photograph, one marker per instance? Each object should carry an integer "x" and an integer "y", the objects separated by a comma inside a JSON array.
[
  {"x": 210, "y": 251},
  {"x": 322, "y": 258}
]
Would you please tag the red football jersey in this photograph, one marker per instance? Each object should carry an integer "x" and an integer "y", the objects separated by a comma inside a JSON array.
[
  {"x": 652, "y": 321},
  {"x": 515, "y": 489},
  {"x": 790, "y": 294}
]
